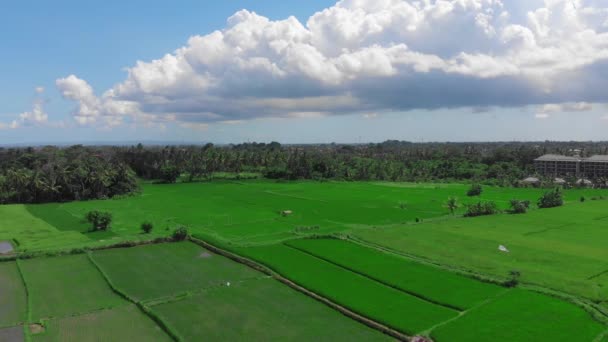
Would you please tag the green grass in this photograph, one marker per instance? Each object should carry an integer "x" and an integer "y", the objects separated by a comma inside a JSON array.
[
  {"x": 164, "y": 270},
  {"x": 561, "y": 248},
  {"x": 384, "y": 304},
  {"x": 64, "y": 286},
  {"x": 125, "y": 323},
  {"x": 260, "y": 310},
  {"x": 12, "y": 295},
  {"x": 521, "y": 315},
  {"x": 247, "y": 211},
  {"x": 425, "y": 281}
]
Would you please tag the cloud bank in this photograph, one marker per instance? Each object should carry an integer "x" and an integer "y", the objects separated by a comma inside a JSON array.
[{"x": 367, "y": 56}]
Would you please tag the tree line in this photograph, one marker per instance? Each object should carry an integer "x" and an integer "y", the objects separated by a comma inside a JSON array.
[
  {"x": 35, "y": 175},
  {"x": 52, "y": 174}
]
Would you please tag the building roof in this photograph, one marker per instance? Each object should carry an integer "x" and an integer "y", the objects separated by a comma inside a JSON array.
[
  {"x": 556, "y": 157},
  {"x": 598, "y": 158}
]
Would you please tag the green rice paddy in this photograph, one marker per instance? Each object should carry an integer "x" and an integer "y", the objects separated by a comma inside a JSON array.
[{"x": 401, "y": 260}]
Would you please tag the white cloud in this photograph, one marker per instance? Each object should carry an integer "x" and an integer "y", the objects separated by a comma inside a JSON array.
[
  {"x": 366, "y": 56},
  {"x": 370, "y": 116},
  {"x": 542, "y": 116},
  {"x": 568, "y": 107},
  {"x": 35, "y": 117}
]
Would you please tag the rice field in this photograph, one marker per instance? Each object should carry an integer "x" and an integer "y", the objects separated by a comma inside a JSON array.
[
  {"x": 259, "y": 310},
  {"x": 65, "y": 286},
  {"x": 166, "y": 270},
  {"x": 124, "y": 323},
  {"x": 392, "y": 307},
  {"x": 395, "y": 256},
  {"x": 431, "y": 283}
]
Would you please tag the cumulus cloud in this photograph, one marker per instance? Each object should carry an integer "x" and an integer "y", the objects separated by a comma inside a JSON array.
[
  {"x": 367, "y": 56},
  {"x": 35, "y": 117}
]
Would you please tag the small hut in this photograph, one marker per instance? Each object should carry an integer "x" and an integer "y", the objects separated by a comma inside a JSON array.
[{"x": 533, "y": 181}]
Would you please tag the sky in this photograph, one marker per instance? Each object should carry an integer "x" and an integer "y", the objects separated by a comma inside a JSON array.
[{"x": 310, "y": 71}]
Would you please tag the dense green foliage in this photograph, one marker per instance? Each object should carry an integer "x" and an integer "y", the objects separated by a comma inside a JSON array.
[
  {"x": 99, "y": 220},
  {"x": 66, "y": 285},
  {"x": 259, "y": 310},
  {"x": 475, "y": 190},
  {"x": 155, "y": 271},
  {"x": 551, "y": 199},
  {"x": 124, "y": 323},
  {"x": 363, "y": 295},
  {"x": 425, "y": 281},
  {"x": 147, "y": 227},
  {"x": 58, "y": 175},
  {"x": 481, "y": 208},
  {"x": 12, "y": 296},
  {"x": 519, "y": 206},
  {"x": 521, "y": 315}
]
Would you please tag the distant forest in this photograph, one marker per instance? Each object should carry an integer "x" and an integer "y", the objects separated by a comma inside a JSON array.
[{"x": 46, "y": 174}]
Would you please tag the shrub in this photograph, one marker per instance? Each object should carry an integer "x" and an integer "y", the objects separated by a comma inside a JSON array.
[
  {"x": 147, "y": 227},
  {"x": 583, "y": 198},
  {"x": 551, "y": 199},
  {"x": 481, "y": 209},
  {"x": 169, "y": 173},
  {"x": 180, "y": 233},
  {"x": 519, "y": 206},
  {"x": 403, "y": 205},
  {"x": 513, "y": 279},
  {"x": 475, "y": 190},
  {"x": 100, "y": 220},
  {"x": 452, "y": 204}
]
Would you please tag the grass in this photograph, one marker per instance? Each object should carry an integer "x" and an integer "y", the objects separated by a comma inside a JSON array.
[
  {"x": 561, "y": 248},
  {"x": 124, "y": 323},
  {"x": 247, "y": 211},
  {"x": 65, "y": 286},
  {"x": 165, "y": 270},
  {"x": 260, "y": 310},
  {"x": 522, "y": 315},
  {"x": 12, "y": 295},
  {"x": 425, "y": 281},
  {"x": 367, "y": 297}
]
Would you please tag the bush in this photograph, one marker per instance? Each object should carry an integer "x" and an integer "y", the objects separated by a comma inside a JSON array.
[
  {"x": 475, "y": 190},
  {"x": 100, "y": 220},
  {"x": 519, "y": 207},
  {"x": 551, "y": 199},
  {"x": 180, "y": 234},
  {"x": 147, "y": 227},
  {"x": 481, "y": 209},
  {"x": 169, "y": 173},
  {"x": 583, "y": 198}
]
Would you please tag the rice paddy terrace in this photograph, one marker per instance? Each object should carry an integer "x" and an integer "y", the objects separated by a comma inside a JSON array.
[{"x": 306, "y": 261}]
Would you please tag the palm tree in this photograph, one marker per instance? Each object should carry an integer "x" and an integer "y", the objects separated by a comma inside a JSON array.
[{"x": 452, "y": 204}]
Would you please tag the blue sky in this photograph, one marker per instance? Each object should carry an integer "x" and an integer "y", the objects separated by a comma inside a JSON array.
[{"x": 361, "y": 71}]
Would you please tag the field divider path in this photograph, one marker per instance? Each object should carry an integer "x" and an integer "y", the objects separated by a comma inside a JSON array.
[
  {"x": 28, "y": 305},
  {"x": 266, "y": 270},
  {"x": 145, "y": 309},
  {"x": 463, "y": 313},
  {"x": 448, "y": 306}
]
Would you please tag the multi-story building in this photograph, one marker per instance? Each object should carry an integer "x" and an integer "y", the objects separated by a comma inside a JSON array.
[
  {"x": 595, "y": 166},
  {"x": 553, "y": 165}
]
